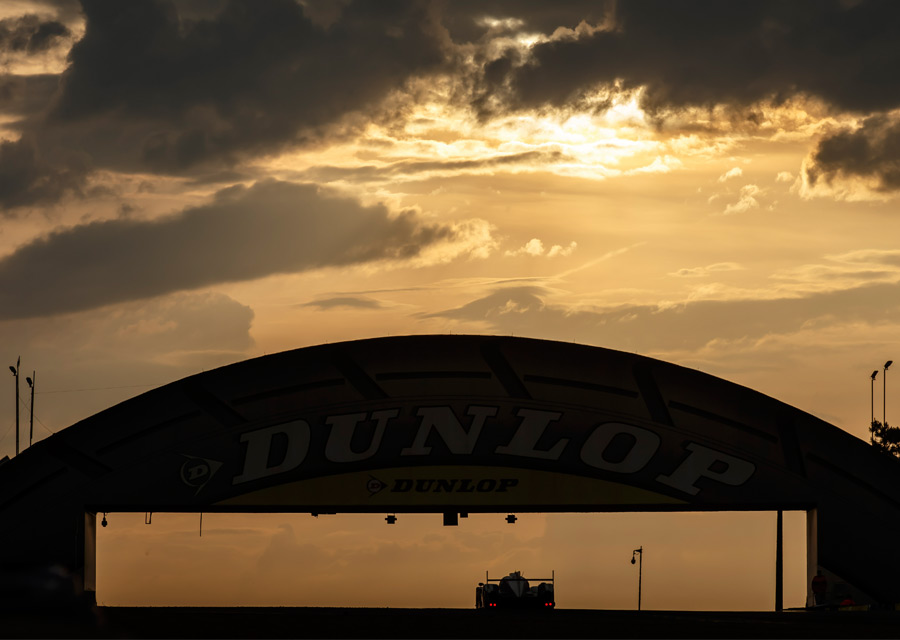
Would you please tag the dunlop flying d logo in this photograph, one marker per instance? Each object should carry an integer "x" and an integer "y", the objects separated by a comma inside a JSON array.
[
  {"x": 197, "y": 472},
  {"x": 374, "y": 485}
]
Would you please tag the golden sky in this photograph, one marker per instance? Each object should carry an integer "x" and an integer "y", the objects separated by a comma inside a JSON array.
[{"x": 186, "y": 185}]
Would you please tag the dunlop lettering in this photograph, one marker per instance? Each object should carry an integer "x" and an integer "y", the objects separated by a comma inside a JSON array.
[
  {"x": 259, "y": 443},
  {"x": 337, "y": 449},
  {"x": 635, "y": 449},
  {"x": 453, "y": 485},
  {"x": 699, "y": 464},
  {"x": 444, "y": 422},
  {"x": 645, "y": 445},
  {"x": 532, "y": 427}
]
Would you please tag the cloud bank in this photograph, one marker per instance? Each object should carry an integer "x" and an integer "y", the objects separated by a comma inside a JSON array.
[
  {"x": 244, "y": 233},
  {"x": 705, "y": 53},
  {"x": 870, "y": 153},
  {"x": 690, "y": 325}
]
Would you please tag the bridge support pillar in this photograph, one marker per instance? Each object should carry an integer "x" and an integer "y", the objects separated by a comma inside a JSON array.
[
  {"x": 812, "y": 553},
  {"x": 779, "y": 561},
  {"x": 90, "y": 554}
]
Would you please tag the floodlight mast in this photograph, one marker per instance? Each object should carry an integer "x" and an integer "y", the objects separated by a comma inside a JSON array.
[
  {"x": 872, "y": 421},
  {"x": 15, "y": 372},
  {"x": 31, "y": 383},
  {"x": 884, "y": 393}
]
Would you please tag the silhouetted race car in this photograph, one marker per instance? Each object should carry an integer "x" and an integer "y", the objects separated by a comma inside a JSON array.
[{"x": 514, "y": 592}]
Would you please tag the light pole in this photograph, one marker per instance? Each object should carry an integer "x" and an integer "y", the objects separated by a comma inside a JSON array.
[
  {"x": 640, "y": 552},
  {"x": 31, "y": 382},
  {"x": 872, "y": 423},
  {"x": 15, "y": 372},
  {"x": 884, "y": 393}
]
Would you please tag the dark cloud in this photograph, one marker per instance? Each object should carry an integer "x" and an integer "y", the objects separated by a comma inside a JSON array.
[
  {"x": 412, "y": 167},
  {"x": 522, "y": 311},
  {"x": 246, "y": 80},
  {"x": 30, "y": 34},
  {"x": 245, "y": 233},
  {"x": 197, "y": 87},
  {"x": 872, "y": 152},
  {"x": 350, "y": 302},
  {"x": 28, "y": 177},
  {"x": 25, "y": 95},
  {"x": 707, "y": 52},
  {"x": 525, "y": 157},
  {"x": 65, "y": 11},
  {"x": 473, "y": 20},
  {"x": 229, "y": 176}
]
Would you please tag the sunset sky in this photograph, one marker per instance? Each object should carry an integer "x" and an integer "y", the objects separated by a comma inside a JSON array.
[{"x": 186, "y": 185}]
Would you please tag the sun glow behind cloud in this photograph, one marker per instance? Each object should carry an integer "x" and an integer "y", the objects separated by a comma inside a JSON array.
[{"x": 606, "y": 135}]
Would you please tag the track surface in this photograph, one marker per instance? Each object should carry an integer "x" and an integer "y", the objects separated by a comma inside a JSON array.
[{"x": 254, "y": 622}]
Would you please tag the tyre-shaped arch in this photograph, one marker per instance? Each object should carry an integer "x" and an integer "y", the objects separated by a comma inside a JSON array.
[{"x": 454, "y": 424}]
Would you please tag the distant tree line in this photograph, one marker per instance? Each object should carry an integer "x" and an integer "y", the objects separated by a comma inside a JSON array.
[{"x": 885, "y": 437}]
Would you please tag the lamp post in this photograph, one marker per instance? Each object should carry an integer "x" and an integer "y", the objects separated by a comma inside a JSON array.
[
  {"x": 15, "y": 372},
  {"x": 640, "y": 552},
  {"x": 872, "y": 422},
  {"x": 31, "y": 382},
  {"x": 884, "y": 393}
]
